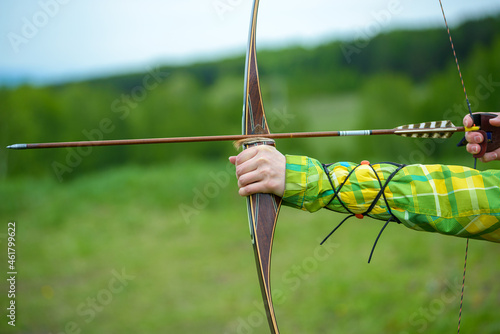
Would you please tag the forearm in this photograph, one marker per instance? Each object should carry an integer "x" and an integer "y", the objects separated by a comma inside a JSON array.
[{"x": 447, "y": 199}]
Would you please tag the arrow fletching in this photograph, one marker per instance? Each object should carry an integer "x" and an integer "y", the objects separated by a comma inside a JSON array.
[{"x": 439, "y": 129}]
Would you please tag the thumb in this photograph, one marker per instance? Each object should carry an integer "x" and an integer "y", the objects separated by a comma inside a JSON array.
[{"x": 232, "y": 159}]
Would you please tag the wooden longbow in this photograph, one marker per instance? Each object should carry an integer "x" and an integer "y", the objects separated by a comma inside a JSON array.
[{"x": 263, "y": 209}]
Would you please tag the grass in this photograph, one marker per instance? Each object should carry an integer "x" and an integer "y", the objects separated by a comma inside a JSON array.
[{"x": 177, "y": 236}]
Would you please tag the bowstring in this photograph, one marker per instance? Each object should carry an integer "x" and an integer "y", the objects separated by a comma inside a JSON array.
[
  {"x": 463, "y": 286},
  {"x": 456, "y": 59},
  {"x": 475, "y": 160}
]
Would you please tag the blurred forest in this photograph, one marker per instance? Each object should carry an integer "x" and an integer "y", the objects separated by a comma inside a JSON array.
[{"x": 396, "y": 78}]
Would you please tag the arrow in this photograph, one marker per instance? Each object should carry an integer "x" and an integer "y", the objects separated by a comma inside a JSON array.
[{"x": 440, "y": 129}]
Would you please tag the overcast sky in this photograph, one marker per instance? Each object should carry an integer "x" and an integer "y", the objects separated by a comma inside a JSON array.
[{"x": 54, "y": 39}]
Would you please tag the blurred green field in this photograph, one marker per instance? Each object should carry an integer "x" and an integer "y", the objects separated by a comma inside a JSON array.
[{"x": 166, "y": 249}]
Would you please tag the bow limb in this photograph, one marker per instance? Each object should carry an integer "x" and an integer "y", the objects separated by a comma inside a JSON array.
[{"x": 262, "y": 208}]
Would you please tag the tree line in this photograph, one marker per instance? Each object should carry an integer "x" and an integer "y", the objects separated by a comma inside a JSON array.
[{"x": 396, "y": 77}]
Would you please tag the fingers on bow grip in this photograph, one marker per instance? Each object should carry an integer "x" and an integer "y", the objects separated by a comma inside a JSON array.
[{"x": 491, "y": 134}]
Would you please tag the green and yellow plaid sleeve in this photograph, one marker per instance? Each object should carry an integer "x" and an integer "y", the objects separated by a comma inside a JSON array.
[{"x": 451, "y": 200}]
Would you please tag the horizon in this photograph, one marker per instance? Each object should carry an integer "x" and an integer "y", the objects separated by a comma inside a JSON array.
[{"x": 47, "y": 57}]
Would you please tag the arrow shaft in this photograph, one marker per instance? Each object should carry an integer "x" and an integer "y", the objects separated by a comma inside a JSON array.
[{"x": 234, "y": 137}]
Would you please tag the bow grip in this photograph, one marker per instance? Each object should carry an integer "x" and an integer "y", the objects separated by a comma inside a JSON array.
[{"x": 491, "y": 134}]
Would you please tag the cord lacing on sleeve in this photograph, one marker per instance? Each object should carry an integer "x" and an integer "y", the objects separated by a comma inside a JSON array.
[{"x": 381, "y": 193}]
